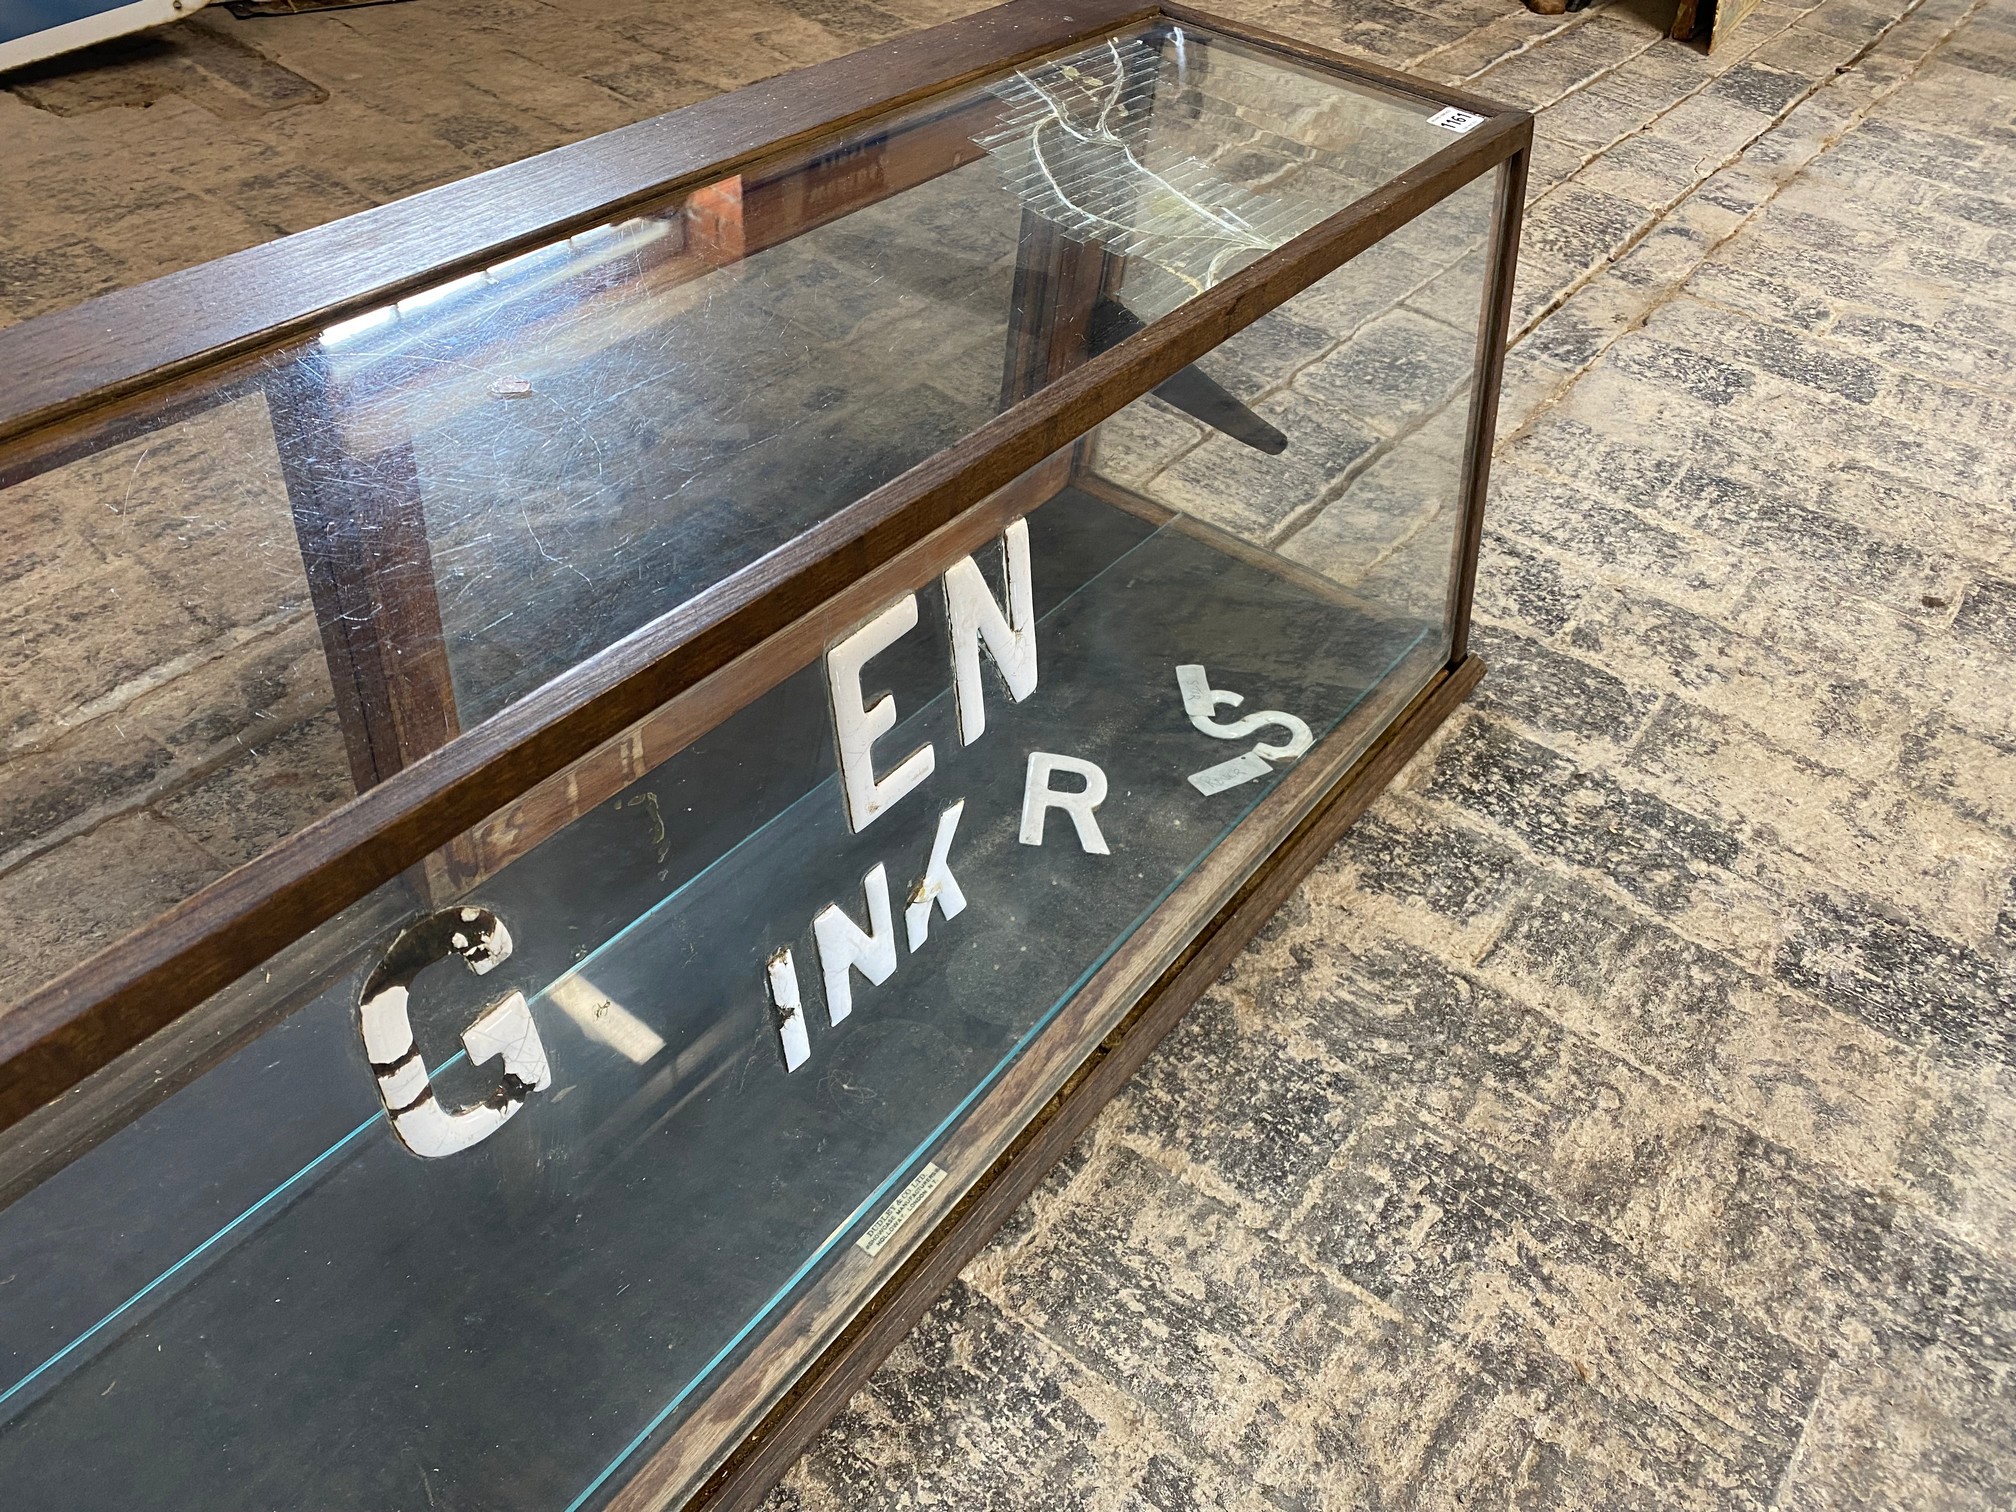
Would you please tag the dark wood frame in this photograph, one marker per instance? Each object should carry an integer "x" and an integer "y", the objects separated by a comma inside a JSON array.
[{"x": 68, "y": 377}]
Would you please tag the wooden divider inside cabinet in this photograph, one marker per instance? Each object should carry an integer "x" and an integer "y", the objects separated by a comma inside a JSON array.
[
  {"x": 1057, "y": 282},
  {"x": 362, "y": 529},
  {"x": 792, "y": 193},
  {"x": 363, "y": 538}
]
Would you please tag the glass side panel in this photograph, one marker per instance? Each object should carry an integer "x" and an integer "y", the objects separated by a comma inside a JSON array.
[
  {"x": 781, "y": 994},
  {"x": 1365, "y": 382},
  {"x": 227, "y": 614}
]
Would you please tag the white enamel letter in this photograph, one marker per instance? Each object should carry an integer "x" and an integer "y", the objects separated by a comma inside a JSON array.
[
  {"x": 843, "y": 947},
  {"x": 938, "y": 886},
  {"x": 855, "y": 729},
  {"x": 972, "y": 615},
  {"x": 1201, "y": 701},
  {"x": 505, "y": 1029},
  {"x": 1038, "y": 798},
  {"x": 783, "y": 972}
]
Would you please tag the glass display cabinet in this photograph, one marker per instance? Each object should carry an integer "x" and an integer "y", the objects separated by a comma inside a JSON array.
[{"x": 604, "y": 764}]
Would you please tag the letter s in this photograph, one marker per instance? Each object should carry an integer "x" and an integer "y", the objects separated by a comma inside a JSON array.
[{"x": 504, "y": 1028}]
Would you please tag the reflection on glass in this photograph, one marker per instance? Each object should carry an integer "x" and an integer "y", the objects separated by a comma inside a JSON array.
[{"x": 1083, "y": 146}]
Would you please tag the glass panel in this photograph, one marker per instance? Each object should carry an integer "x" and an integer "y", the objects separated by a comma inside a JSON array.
[
  {"x": 1365, "y": 382},
  {"x": 228, "y": 613}
]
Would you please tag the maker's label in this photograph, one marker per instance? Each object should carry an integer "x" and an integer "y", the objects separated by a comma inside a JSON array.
[{"x": 911, "y": 1198}]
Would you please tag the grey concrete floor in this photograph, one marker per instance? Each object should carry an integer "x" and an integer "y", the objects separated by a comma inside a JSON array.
[{"x": 1624, "y": 1115}]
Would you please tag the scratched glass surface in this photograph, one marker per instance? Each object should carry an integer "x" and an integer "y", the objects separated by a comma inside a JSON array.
[
  {"x": 290, "y": 1308},
  {"x": 232, "y": 615}
]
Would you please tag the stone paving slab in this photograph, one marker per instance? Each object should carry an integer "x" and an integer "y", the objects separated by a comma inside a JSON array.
[{"x": 1624, "y": 1114}]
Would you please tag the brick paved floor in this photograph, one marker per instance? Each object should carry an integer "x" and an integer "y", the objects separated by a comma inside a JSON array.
[{"x": 1624, "y": 1115}]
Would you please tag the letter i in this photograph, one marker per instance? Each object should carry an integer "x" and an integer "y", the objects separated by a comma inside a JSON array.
[{"x": 790, "y": 1010}]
